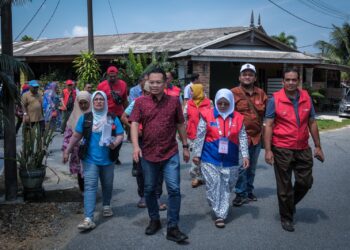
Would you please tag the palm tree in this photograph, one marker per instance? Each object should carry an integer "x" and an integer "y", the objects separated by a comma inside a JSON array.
[
  {"x": 289, "y": 40},
  {"x": 337, "y": 50},
  {"x": 9, "y": 66}
]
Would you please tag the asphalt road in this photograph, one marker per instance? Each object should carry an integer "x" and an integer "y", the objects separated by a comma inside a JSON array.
[{"x": 322, "y": 218}]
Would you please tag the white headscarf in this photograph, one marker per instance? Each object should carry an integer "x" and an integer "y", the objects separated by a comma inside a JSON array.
[
  {"x": 100, "y": 117},
  {"x": 227, "y": 94}
]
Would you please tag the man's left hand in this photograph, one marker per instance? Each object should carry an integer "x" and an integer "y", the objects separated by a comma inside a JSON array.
[{"x": 186, "y": 154}]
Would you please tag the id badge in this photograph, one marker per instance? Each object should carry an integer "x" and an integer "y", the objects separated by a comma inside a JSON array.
[{"x": 223, "y": 146}]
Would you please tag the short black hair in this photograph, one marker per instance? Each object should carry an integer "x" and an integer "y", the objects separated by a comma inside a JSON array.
[
  {"x": 157, "y": 70},
  {"x": 291, "y": 69},
  {"x": 194, "y": 77}
]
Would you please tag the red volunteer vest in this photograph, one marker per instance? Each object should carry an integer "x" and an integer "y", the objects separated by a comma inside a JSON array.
[
  {"x": 66, "y": 97},
  {"x": 193, "y": 116},
  {"x": 212, "y": 128},
  {"x": 174, "y": 91},
  {"x": 286, "y": 132}
]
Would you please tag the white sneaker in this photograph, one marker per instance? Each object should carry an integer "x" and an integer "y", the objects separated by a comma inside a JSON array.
[
  {"x": 87, "y": 224},
  {"x": 107, "y": 211}
]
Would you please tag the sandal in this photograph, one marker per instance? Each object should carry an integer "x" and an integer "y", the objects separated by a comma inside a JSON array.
[
  {"x": 220, "y": 223},
  {"x": 162, "y": 206}
]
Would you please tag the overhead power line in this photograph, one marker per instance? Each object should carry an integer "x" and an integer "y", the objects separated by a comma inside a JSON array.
[
  {"x": 115, "y": 24},
  {"x": 26, "y": 26},
  {"x": 302, "y": 19},
  {"x": 329, "y": 8},
  {"x": 321, "y": 10},
  {"x": 47, "y": 23}
]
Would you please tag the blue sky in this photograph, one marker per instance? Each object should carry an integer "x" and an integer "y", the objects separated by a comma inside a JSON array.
[{"x": 169, "y": 15}]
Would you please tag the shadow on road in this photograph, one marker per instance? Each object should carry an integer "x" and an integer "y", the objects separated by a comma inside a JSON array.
[{"x": 310, "y": 215}]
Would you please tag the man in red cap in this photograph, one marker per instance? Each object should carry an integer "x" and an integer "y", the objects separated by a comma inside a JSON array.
[
  {"x": 117, "y": 97},
  {"x": 67, "y": 103}
]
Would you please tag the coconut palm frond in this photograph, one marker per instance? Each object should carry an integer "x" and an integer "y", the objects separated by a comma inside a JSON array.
[
  {"x": 11, "y": 64},
  {"x": 9, "y": 87}
]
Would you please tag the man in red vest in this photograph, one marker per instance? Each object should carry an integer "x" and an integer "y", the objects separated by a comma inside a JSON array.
[
  {"x": 290, "y": 116},
  {"x": 116, "y": 91},
  {"x": 67, "y": 103},
  {"x": 171, "y": 89}
]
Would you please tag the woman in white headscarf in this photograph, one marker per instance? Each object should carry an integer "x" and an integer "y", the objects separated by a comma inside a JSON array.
[
  {"x": 97, "y": 152},
  {"x": 82, "y": 105},
  {"x": 221, "y": 136}
]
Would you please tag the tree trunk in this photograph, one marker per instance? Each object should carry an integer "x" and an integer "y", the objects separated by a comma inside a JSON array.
[{"x": 9, "y": 110}]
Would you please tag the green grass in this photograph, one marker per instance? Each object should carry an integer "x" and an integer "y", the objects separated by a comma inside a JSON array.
[{"x": 330, "y": 124}]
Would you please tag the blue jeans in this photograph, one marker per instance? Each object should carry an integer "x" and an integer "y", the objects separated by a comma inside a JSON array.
[
  {"x": 244, "y": 185},
  {"x": 171, "y": 174},
  {"x": 91, "y": 174}
]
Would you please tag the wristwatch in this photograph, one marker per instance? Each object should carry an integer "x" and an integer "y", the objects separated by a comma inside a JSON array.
[{"x": 185, "y": 146}]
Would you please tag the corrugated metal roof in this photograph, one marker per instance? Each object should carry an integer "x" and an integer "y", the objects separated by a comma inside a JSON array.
[
  {"x": 258, "y": 55},
  {"x": 175, "y": 41}
]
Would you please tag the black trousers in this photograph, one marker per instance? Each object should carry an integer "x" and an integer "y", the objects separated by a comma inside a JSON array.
[{"x": 287, "y": 161}]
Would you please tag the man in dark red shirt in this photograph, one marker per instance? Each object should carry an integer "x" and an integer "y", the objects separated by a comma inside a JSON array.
[
  {"x": 117, "y": 97},
  {"x": 160, "y": 116}
]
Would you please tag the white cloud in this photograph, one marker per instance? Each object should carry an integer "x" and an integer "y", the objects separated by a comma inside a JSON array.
[
  {"x": 79, "y": 31},
  {"x": 76, "y": 31}
]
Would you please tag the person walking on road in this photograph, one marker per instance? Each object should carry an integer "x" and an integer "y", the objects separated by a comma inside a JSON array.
[
  {"x": 137, "y": 167},
  {"x": 220, "y": 137},
  {"x": 161, "y": 117},
  {"x": 116, "y": 91},
  {"x": 290, "y": 117},
  {"x": 101, "y": 135},
  {"x": 67, "y": 103},
  {"x": 250, "y": 101},
  {"x": 82, "y": 105},
  {"x": 192, "y": 110}
]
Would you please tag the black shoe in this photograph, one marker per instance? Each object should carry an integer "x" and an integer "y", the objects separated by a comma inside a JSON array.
[
  {"x": 239, "y": 201},
  {"x": 174, "y": 234},
  {"x": 252, "y": 197},
  {"x": 287, "y": 225},
  {"x": 153, "y": 227}
]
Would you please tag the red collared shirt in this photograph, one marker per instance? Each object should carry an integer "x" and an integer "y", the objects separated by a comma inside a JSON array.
[{"x": 159, "y": 120}]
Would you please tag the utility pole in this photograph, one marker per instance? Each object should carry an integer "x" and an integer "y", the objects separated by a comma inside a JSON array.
[
  {"x": 9, "y": 109},
  {"x": 90, "y": 26}
]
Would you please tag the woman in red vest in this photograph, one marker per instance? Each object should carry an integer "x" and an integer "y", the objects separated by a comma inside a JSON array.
[
  {"x": 221, "y": 136},
  {"x": 192, "y": 110}
]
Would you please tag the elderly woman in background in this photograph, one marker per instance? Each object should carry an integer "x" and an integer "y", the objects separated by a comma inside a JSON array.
[
  {"x": 82, "y": 105},
  {"x": 97, "y": 152},
  {"x": 220, "y": 137}
]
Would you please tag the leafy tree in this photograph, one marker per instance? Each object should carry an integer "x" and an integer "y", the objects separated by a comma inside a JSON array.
[
  {"x": 289, "y": 40},
  {"x": 26, "y": 38},
  {"x": 87, "y": 69},
  {"x": 337, "y": 50}
]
